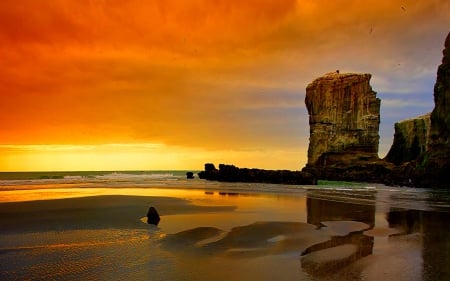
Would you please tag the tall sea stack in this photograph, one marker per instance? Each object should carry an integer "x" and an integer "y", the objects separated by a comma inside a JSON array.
[{"x": 344, "y": 117}]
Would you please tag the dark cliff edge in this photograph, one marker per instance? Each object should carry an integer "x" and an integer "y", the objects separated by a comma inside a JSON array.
[
  {"x": 231, "y": 173},
  {"x": 434, "y": 167},
  {"x": 421, "y": 148}
]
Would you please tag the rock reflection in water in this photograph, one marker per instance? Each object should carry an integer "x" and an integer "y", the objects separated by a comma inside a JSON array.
[
  {"x": 324, "y": 206},
  {"x": 343, "y": 238},
  {"x": 331, "y": 238},
  {"x": 341, "y": 250}
]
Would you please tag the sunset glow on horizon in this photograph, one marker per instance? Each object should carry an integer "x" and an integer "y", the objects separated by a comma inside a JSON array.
[
  {"x": 145, "y": 85},
  {"x": 118, "y": 157}
]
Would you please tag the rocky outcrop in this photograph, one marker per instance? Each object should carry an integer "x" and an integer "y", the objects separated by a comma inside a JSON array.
[
  {"x": 231, "y": 173},
  {"x": 410, "y": 140},
  {"x": 344, "y": 121},
  {"x": 434, "y": 171},
  {"x": 344, "y": 117},
  {"x": 153, "y": 216}
]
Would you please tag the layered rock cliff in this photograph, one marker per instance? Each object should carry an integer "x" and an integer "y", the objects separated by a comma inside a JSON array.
[
  {"x": 344, "y": 117},
  {"x": 410, "y": 140}
]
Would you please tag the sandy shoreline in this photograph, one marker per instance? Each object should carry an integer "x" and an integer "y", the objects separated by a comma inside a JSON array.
[
  {"x": 95, "y": 212},
  {"x": 104, "y": 238},
  {"x": 233, "y": 236}
]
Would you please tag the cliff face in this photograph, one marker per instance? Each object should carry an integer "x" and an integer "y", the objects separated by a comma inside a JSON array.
[
  {"x": 410, "y": 140},
  {"x": 440, "y": 117},
  {"x": 344, "y": 117},
  {"x": 436, "y": 164}
]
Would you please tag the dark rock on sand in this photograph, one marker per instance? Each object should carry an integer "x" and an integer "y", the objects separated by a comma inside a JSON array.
[
  {"x": 189, "y": 175},
  {"x": 153, "y": 216},
  {"x": 231, "y": 173}
]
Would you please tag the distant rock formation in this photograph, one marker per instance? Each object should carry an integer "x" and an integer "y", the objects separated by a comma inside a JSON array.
[
  {"x": 231, "y": 173},
  {"x": 411, "y": 139},
  {"x": 344, "y": 117}
]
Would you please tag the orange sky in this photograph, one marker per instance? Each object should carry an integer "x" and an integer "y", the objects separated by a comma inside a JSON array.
[{"x": 92, "y": 84}]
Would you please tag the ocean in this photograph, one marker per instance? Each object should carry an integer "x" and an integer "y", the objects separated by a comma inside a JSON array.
[{"x": 92, "y": 226}]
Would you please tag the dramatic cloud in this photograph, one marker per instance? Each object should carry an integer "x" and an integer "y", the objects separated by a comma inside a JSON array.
[{"x": 204, "y": 75}]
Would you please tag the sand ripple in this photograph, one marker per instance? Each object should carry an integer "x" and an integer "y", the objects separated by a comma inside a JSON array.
[{"x": 258, "y": 239}]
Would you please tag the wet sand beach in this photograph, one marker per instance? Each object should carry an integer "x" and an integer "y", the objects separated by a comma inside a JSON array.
[{"x": 220, "y": 234}]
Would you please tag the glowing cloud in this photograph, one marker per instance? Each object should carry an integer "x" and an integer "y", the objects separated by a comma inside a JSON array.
[{"x": 202, "y": 75}]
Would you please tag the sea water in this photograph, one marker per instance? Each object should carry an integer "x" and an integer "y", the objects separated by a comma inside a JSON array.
[{"x": 333, "y": 231}]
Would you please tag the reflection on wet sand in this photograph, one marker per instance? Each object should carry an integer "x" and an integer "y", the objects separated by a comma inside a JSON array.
[
  {"x": 434, "y": 230},
  {"x": 342, "y": 249},
  {"x": 226, "y": 232},
  {"x": 320, "y": 208},
  {"x": 343, "y": 238},
  {"x": 331, "y": 238}
]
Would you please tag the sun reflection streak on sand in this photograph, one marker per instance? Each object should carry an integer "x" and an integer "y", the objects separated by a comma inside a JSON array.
[
  {"x": 22, "y": 241},
  {"x": 44, "y": 192}
]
